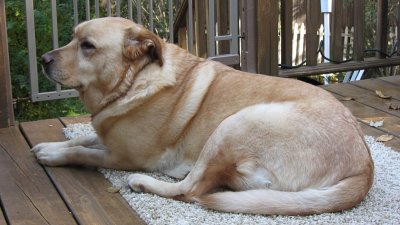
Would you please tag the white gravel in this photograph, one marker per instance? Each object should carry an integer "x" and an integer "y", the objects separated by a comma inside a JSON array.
[{"x": 382, "y": 205}]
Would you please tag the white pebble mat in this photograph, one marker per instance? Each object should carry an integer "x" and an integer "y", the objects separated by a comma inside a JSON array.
[{"x": 382, "y": 205}]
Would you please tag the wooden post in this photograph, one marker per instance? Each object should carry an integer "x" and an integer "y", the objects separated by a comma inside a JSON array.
[
  {"x": 359, "y": 14},
  {"x": 287, "y": 31},
  {"x": 267, "y": 37},
  {"x": 200, "y": 28},
  {"x": 382, "y": 27},
  {"x": 6, "y": 103},
  {"x": 337, "y": 41},
  {"x": 312, "y": 25}
]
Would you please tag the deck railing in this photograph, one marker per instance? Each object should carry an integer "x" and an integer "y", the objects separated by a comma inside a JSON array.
[{"x": 114, "y": 8}]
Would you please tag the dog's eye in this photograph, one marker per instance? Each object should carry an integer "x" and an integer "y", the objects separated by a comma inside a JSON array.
[{"x": 87, "y": 46}]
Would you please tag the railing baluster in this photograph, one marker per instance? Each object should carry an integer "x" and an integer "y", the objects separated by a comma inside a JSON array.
[
  {"x": 359, "y": 9},
  {"x": 211, "y": 28},
  {"x": 54, "y": 24},
  {"x": 75, "y": 6},
  {"x": 139, "y": 11},
  {"x": 30, "y": 28},
  {"x": 171, "y": 21},
  {"x": 287, "y": 33},
  {"x": 151, "y": 15},
  {"x": 118, "y": 6},
  {"x": 190, "y": 25},
  {"x": 87, "y": 9},
  {"x": 313, "y": 11},
  {"x": 382, "y": 28},
  {"x": 108, "y": 7},
  {"x": 97, "y": 10},
  {"x": 233, "y": 26},
  {"x": 398, "y": 29},
  {"x": 337, "y": 41},
  {"x": 249, "y": 48},
  {"x": 130, "y": 9},
  {"x": 54, "y": 31}
]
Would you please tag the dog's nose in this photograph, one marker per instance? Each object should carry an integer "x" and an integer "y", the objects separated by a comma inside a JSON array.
[{"x": 47, "y": 58}]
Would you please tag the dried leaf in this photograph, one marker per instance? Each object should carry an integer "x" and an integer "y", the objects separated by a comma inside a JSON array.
[
  {"x": 393, "y": 106},
  {"x": 384, "y": 138},
  {"x": 381, "y": 95},
  {"x": 376, "y": 123},
  {"x": 113, "y": 189},
  {"x": 346, "y": 98}
]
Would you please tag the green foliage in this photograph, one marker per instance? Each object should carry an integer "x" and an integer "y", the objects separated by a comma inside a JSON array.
[
  {"x": 25, "y": 109},
  {"x": 19, "y": 66}
]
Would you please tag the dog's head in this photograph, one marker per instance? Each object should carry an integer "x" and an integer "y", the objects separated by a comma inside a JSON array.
[{"x": 100, "y": 53}]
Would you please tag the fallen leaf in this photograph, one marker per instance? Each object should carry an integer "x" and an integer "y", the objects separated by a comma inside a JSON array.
[
  {"x": 393, "y": 106},
  {"x": 113, "y": 189},
  {"x": 346, "y": 98},
  {"x": 381, "y": 95},
  {"x": 376, "y": 123},
  {"x": 384, "y": 138}
]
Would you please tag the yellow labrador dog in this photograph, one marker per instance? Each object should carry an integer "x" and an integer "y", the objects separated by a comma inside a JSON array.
[{"x": 280, "y": 146}]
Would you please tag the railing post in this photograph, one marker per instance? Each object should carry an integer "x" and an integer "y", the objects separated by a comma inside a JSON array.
[
  {"x": 312, "y": 25},
  {"x": 267, "y": 37},
  {"x": 6, "y": 102},
  {"x": 382, "y": 27},
  {"x": 200, "y": 26},
  {"x": 337, "y": 40},
  {"x": 249, "y": 35},
  {"x": 359, "y": 13},
  {"x": 287, "y": 31},
  {"x": 210, "y": 28}
]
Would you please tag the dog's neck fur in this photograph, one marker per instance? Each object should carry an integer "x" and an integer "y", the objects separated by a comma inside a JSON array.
[{"x": 122, "y": 87}]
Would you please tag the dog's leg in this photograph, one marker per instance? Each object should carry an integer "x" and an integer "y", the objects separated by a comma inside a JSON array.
[{"x": 85, "y": 150}]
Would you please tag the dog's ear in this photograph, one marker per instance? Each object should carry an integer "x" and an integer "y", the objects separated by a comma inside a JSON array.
[{"x": 140, "y": 42}]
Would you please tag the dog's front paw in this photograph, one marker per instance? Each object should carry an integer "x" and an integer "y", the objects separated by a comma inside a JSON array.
[
  {"x": 138, "y": 182},
  {"x": 51, "y": 153}
]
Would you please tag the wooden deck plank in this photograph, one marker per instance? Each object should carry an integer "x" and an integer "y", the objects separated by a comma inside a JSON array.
[
  {"x": 366, "y": 113},
  {"x": 387, "y": 88},
  {"x": 27, "y": 194},
  {"x": 364, "y": 96},
  {"x": 392, "y": 79},
  {"x": 370, "y": 131},
  {"x": 83, "y": 189}
]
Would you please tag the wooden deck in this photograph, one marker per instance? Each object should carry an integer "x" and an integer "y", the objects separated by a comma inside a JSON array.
[{"x": 32, "y": 194}]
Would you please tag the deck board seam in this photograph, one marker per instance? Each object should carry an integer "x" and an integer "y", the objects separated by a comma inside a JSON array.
[
  {"x": 33, "y": 203},
  {"x": 12, "y": 158}
]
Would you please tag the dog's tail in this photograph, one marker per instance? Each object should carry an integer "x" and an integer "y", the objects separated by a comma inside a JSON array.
[{"x": 343, "y": 195}]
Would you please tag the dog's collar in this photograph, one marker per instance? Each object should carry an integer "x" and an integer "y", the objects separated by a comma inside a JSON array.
[{"x": 120, "y": 90}]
